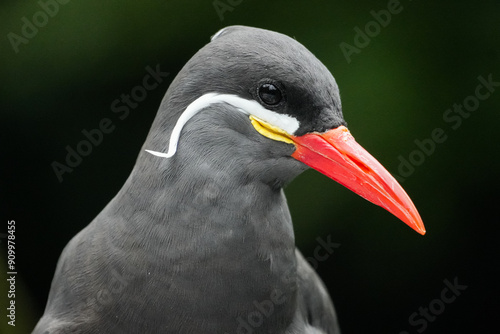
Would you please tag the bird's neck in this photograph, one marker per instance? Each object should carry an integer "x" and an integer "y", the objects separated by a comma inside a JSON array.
[{"x": 211, "y": 225}]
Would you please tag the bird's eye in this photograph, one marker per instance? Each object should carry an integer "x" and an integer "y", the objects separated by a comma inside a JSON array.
[{"x": 270, "y": 94}]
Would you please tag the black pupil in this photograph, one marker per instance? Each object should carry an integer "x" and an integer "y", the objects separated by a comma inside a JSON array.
[{"x": 270, "y": 94}]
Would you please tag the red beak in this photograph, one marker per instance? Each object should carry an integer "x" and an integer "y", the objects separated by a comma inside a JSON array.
[{"x": 336, "y": 154}]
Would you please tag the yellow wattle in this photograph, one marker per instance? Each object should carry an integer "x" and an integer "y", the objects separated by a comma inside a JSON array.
[{"x": 270, "y": 131}]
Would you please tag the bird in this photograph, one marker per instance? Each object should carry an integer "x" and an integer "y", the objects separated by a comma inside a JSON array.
[{"x": 200, "y": 239}]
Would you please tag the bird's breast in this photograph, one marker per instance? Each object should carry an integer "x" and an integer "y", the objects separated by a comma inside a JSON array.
[{"x": 216, "y": 253}]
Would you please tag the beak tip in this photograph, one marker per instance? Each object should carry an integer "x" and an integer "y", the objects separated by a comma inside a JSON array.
[{"x": 419, "y": 228}]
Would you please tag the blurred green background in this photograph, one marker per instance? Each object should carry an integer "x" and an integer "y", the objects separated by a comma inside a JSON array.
[{"x": 396, "y": 88}]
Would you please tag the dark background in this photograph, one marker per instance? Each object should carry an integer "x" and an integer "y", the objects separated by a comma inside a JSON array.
[{"x": 394, "y": 91}]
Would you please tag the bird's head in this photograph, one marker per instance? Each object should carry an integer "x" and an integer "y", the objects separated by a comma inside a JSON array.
[{"x": 270, "y": 88}]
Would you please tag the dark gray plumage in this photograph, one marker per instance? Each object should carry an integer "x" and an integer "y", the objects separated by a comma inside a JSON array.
[{"x": 203, "y": 241}]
